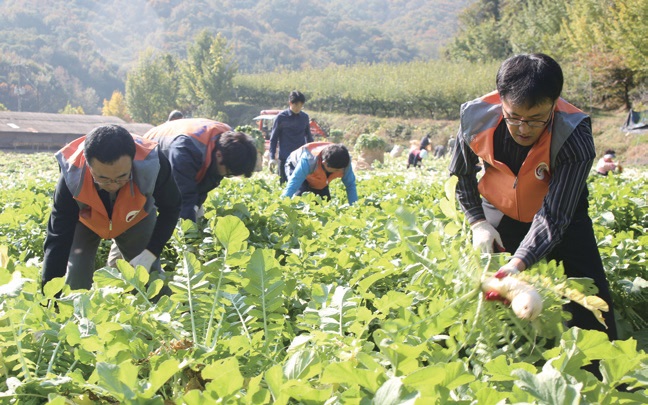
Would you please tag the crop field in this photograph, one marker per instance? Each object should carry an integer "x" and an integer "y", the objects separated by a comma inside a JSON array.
[{"x": 299, "y": 301}]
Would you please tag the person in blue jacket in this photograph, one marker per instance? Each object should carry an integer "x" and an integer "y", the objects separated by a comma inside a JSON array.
[
  {"x": 313, "y": 166},
  {"x": 291, "y": 129}
]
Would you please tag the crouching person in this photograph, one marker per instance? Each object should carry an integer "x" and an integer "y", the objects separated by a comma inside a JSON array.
[
  {"x": 313, "y": 166},
  {"x": 113, "y": 185}
]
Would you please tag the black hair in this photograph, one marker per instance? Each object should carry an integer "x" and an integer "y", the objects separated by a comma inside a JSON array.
[
  {"x": 296, "y": 97},
  {"x": 175, "y": 115},
  {"x": 239, "y": 152},
  {"x": 336, "y": 156},
  {"x": 108, "y": 143},
  {"x": 528, "y": 80},
  {"x": 610, "y": 152}
]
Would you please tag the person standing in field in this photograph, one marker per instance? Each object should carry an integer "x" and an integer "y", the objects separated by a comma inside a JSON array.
[
  {"x": 532, "y": 200},
  {"x": 290, "y": 130},
  {"x": 425, "y": 142},
  {"x": 113, "y": 185},
  {"x": 313, "y": 166},
  {"x": 202, "y": 152}
]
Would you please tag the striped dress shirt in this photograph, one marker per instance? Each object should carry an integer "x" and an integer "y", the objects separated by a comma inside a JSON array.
[{"x": 568, "y": 182}]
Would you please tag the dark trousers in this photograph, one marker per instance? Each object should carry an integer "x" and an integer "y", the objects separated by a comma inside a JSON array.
[
  {"x": 306, "y": 188},
  {"x": 283, "y": 177},
  {"x": 580, "y": 257}
]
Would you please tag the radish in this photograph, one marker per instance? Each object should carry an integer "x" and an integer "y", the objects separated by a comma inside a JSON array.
[{"x": 525, "y": 300}]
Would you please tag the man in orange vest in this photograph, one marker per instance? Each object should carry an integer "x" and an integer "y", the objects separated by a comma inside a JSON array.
[
  {"x": 113, "y": 185},
  {"x": 531, "y": 201},
  {"x": 202, "y": 152},
  {"x": 313, "y": 166}
]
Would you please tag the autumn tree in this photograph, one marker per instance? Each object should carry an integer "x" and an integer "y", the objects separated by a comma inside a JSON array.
[
  {"x": 116, "y": 107},
  {"x": 152, "y": 88},
  {"x": 68, "y": 109},
  {"x": 207, "y": 74}
]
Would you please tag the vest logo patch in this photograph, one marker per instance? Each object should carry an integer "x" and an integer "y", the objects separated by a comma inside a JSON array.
[
  {"x": 541, "y": 170},
  {"x": 131, "y": 215}
]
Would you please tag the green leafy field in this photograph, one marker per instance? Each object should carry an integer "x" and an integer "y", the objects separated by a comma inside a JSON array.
[{"x": 298, "y": 301}]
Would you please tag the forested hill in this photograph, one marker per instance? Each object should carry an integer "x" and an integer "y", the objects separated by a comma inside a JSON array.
[{"x": 83, "y": 48}]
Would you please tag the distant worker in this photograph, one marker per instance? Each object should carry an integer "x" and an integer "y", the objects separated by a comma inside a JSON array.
[
  {"x": 113, "y": 185},
  {"x": 291, "y": 130},
  {"x": 415, "y": 155},
  {"x": 451, "y": 144},
  {"x": 607, "y": 164},
  {"x": 439, "y": 151},
  {"x": 425, "y": 142},
  {"x": 202, "y": 152},
  {"x": 175, "y": 115},
  {"x": 313, "y": 166}
]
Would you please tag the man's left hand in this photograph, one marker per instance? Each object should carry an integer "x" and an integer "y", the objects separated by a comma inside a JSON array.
[
  {"x": 507, "y": 270},
  {"x": 145, "y": 259}
]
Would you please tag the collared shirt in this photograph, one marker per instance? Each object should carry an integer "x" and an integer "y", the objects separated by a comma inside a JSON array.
[
  {"x": 568, "y": 182},
  {"x": 291, "y": 131}
]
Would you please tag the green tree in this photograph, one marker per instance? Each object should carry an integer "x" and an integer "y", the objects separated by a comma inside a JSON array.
[
  {"x": 482, "y": 35},
  {"x": 207, "y": 74},
  {"x": 604, "y": 37},
  {"x": 152, "y": 88},
  {"x": 535, "y": 26},
  {"x": 116, "y": 106}
]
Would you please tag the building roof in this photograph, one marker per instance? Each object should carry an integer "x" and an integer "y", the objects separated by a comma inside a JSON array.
[{"x": 45, "y": 130}]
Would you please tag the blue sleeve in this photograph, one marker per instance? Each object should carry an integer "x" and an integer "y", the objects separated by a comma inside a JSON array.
[
  {"x": 186, "y": 161},
  {"x": 274, "y": 137},
  {"x": 297, "y": 178},
  {"x": 349, "y": 181}
]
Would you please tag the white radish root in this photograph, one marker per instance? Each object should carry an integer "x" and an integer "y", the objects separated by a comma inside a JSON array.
[{"x": 525, "y": 300}]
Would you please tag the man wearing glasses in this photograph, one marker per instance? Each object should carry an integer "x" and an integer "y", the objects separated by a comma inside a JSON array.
[
  {"x": 202, "y": 152},
  {"x": 113, "y": 185},
  {"x": 531, "y": 201}
]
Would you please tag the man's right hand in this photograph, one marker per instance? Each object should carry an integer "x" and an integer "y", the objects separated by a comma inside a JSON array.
[
  {"x": 272, "y": 165},
  {"x": 484, "y": 234}
]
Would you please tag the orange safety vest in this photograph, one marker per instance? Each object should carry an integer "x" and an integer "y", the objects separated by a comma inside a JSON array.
[
  {"x": 134, "y": 200},
  {"x": 202, "y": 131},
  {"x": 519, "y": 197},
  {"x": 317, "y": 179}
]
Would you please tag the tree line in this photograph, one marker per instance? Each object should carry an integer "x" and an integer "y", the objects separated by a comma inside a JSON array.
[{"x": 600, "y": 44}]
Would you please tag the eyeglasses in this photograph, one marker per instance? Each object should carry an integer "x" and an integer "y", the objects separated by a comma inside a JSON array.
[
  {"x": 120, "y": 180},
  {"x": 531, "y": 123}
]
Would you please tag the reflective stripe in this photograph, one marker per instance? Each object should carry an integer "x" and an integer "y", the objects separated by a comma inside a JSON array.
[
  {"x": 135, "y": 196},
  {"x": 202, "y": 131}
]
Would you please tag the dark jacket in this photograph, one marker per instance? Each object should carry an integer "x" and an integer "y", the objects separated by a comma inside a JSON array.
[{"x": 291, "y": 131}]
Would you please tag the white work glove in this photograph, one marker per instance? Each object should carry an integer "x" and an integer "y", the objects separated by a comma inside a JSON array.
[
  {"x": 484, "y": 235},
  {"x": 145, "y": 259},
  {"x": 200, "y": 212},
  {"x": 508, "y": 269},
  {"x": 272, "y": 165}
]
